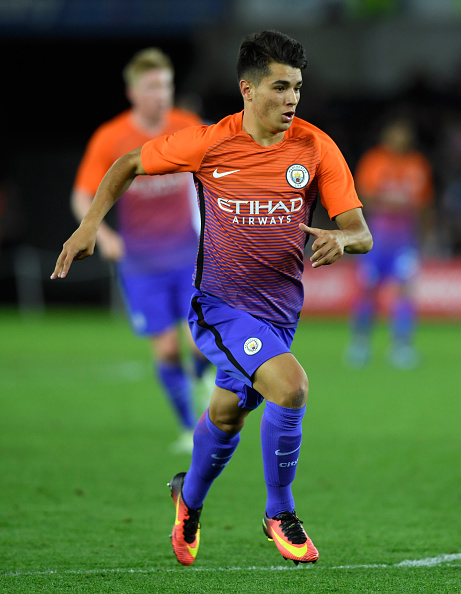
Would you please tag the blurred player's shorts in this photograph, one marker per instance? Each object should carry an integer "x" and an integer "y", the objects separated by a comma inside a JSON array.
[{"x": 400, "y": 265}]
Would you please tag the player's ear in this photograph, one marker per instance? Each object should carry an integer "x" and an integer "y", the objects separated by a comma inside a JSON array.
[
  {"x": 129, "y": 94},
  {"x": 246, "y": 88}
]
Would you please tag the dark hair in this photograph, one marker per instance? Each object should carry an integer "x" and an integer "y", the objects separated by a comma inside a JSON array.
[{"x": 258, "y": 50}]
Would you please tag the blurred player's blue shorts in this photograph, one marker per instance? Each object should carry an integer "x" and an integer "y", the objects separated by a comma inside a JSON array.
[
  {"x": 156, "y": 302},
  {"x": 236, "y": 342},
  {"x": 388, "y": 262}
]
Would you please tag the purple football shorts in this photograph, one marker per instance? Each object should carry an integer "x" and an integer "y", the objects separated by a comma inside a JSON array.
[
  {"x": 236, "y": 342},
  {"x": 400, "y": 264},
  {"x": 157, "y": 301}
]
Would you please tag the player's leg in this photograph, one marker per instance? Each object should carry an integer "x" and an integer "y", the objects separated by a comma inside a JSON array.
[
  {"x": 284, "y": 384},
  {"x": 203, "y": 374},
  {"x": 405, "y": 266},
  {"x": 176, "y": 384},
  {"x": 200, "y": 363},
  {"x": 153, "y": 315},
  {"x": 216, "y": 438},
  {"x": 241, "y": 347},
  {"x": 363, "y": 316},
  {"x": 403, "y": 315},
  {"x": 217, "y": 331}
]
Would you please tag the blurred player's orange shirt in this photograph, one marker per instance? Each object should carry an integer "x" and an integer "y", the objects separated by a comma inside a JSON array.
[
  {"x": 252, "y": 199},
  {"x": 155, "y": 214},
  {"x": 117, "y": 137},
  {"x": 406, "y": 177},
  {"x": 396, "y": 187}
]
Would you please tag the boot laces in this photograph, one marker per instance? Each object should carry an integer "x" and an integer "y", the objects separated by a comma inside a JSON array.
[
  {"x": 191, "y": 525},
  {"x": 292, "y": 527}
]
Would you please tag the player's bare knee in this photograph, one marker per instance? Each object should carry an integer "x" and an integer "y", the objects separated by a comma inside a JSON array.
[
  {"x": 171, "y": 357},
  {"x": 227, "y": 422},
  {"x": 292, "y": 392},
  {"x": 165, "y": 347},
  {"x": 293, "y": 399},
  {"x": 166, "y": 352},
  {"x": 224, "y": 411},
  {"x": 231, "y": 428},
  {"x": 227, "y": 419}
]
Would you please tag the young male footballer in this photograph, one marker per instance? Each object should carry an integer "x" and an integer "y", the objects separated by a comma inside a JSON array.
[
  {"x": 257, "y": 175},
  {"x": 395, "y": 182},
  {"x": 155, "y": 244}
]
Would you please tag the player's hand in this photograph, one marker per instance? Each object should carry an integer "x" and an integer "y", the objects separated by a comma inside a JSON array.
[
  {"x": 328, "y": 245},
  {"x": 80, "y": 245},
  {"x": 110, "y": 245}
]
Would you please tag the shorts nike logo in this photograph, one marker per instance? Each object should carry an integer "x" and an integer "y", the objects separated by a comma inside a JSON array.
[
  {"x": 216, "y": 174},
  {"x": 279, "y": 453}
]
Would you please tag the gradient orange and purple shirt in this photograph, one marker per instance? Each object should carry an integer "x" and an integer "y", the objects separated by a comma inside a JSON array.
[
  {"x": 252, "y": 199},
  {"x": 396, "y": 187},
  {"x": 155, "y": 214}
]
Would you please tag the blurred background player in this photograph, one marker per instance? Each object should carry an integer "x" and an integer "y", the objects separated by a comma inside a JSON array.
[
  {"x": 156, "y": 244},
  {"x": 394, "y": 181}
]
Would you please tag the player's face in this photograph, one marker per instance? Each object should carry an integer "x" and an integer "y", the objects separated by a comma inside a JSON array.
[
  {"x": 399, "y": 136},
  {"x": 276, "y": 97},
  {"x": 152, "y": 95}
]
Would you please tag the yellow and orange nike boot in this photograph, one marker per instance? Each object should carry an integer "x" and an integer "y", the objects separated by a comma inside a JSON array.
[
  {"x": 290, "y": 538},
  {"x": 185, "y": 537}
]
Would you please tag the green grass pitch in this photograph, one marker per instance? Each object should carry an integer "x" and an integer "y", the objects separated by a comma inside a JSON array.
[{"x": 84, "y": 434}]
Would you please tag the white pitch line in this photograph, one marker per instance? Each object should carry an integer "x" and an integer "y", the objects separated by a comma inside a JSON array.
[
  {"x": 430, "y": 562},
  {"x": 427, "y": 562}
]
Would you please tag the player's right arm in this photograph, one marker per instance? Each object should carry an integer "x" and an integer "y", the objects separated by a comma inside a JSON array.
[
  {"x": 115, "y": 183},
  {"x": 110, "y": 243}
]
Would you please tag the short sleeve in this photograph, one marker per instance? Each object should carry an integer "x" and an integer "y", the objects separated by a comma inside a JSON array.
[
  {"x": 97, "y": 159},
  {"x": 335, "y": 181},
  {"x": 174, "y": 153},
  {"x": 367, "y": 173}
]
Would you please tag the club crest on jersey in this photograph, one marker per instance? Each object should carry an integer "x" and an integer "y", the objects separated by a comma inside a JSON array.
[
  {"x": 297, "y": 176},
  {"x": 252, "y": 346}
]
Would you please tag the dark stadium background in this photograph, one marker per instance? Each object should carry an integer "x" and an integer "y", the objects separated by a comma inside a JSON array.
[
  {"x": 61, "y": 75},
  {"x": 84, "y": 426}
]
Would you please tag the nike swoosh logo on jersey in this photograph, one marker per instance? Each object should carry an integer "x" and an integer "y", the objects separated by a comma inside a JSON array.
[
  {"x": 216, "y": 174},
  {"x": 279, "y": 453},
  {"x": 220, "y": 457}
]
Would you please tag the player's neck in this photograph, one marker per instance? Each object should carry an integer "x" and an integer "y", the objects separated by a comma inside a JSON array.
[
  {"x": 258, "y": 133},
  {"x": 149, "y": 126}
]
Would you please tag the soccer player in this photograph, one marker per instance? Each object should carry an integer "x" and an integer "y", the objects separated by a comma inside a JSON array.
[
  {"x": 156, "y": 243},
  {"x": 257, "y": 175},
  {"x": 395, "y": 183}
]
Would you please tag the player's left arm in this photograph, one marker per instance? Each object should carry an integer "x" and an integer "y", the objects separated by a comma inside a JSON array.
[{"x": 352, "y": 237}]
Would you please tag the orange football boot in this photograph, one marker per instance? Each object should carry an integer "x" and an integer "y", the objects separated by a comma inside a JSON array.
[
  {"x": 290, "y": 538},
  {"x": 185, "y": 537}
]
